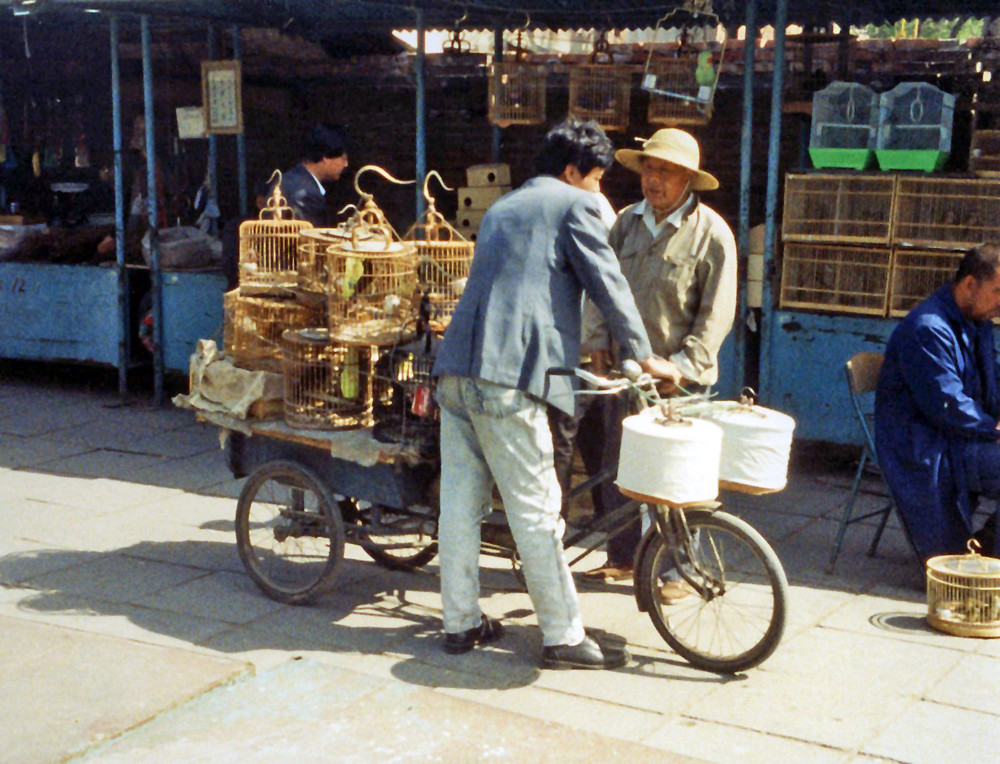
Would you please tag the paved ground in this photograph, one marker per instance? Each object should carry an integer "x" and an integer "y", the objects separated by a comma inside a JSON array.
[{"x": 131, "y": 632}]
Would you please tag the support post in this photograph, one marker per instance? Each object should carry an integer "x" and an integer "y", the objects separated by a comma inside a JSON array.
[
  {"x": 421, "y": 149},
  {"x": 746, "y": 155},
  {"x": 241, "y": 144},
  {"x": 156, "y": 277},
  {"x": 125, "y": 336}
]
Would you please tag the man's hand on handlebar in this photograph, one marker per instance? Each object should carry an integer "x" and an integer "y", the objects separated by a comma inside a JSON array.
[{"x": 663, "y": 370}]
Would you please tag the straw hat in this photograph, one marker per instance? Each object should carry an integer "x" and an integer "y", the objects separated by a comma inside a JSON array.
[{"x": 674, "y": 146}]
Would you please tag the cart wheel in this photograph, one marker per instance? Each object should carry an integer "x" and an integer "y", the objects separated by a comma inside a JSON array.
[
  {"x": 399, "y": 540},
  {"x": 737, "y": 620},
  {"x": 288, "y": 532}
]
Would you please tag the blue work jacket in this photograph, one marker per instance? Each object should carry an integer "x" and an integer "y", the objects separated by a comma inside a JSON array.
[{"x": 937, "y": 393}]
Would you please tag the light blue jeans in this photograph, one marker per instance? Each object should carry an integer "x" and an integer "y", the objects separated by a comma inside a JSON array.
[{"x": 492, "y": 433}]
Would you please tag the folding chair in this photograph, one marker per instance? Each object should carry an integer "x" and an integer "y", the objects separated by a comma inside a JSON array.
[{"x": 862, "y": 371}]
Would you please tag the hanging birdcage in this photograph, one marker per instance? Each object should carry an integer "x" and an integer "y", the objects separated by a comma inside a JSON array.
[
  {"x": 403, "y": 408},
  {"x": 371, "y": 279},
  {"x": 327, "y": 383},
  {"x": 443, "y": 259},
  {"x": 269, "y": 247},
  {"x": 601, "y": 90},
  {"x": 516, "y": 91},
  {"x": 253, "y": 325},
  {"x": 681, "y": 75}
]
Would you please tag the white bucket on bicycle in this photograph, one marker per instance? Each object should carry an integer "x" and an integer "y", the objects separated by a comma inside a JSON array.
[
  {"x": 669, "y": 459},
  {"x": 756, "y": 443}
]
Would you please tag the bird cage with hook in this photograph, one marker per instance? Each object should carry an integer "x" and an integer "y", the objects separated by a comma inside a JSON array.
[
  {"x": 269, "y": 246},
  {"x": 516, "y": 91},
  {"x": 253, "y": 324},
  {"x": 682, "y": 73},
  {"x": 601, "y": 90},
  {"x": 403, "y": 408},
  {"x": 371, "y": 279},
  {"x": 327, "y": 383},
  {"x": 443, "y": 259},
  {"x": 313, "y": 246},
  {"x": 963, "y": 594}
]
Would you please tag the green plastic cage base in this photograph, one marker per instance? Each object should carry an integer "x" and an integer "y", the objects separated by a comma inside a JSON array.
[
  {"x": 911, "y": 159},
  {"x": 853, "y": 159}
]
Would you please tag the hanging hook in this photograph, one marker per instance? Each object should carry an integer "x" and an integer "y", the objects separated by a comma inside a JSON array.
[
  {"x": 427, "y": 181},
  {"x": 375, "y": 168}
]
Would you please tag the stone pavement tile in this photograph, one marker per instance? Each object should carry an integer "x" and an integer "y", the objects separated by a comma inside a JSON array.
[
  {"x": 20, "y": 559},
  {"x": 51, "y": 417},
  {"x": 974, "y": 684},
  {"x": 833, "y": 688},
  {"x": 989, "y": 647},
  {"x": 810, "y": 605},
  {"x": 27, "y": 517},
  {"x": 103, "y": 463},
  {"x": 65, "y": 490},
  {"x": 66, "y": 690},
  {"x": 29, "y": 452},
  {"x": 122, "y": 434},
  {"x": 774, "y": 525},
  {"x": 802, "y": 498},
  {"x": 201, "y": 473},
  {"x": 315, "y": 712},
  {"x": 228, "y": 597},
  {"x": 116, "y": 619},
  {"x": 726, "y": 744},
  {"x": 195, "y": 510},
  {"x": 931, "y": 733}
]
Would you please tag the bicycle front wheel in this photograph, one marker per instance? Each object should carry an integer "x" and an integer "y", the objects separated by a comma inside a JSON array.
[{"x": 736, "y": 616}]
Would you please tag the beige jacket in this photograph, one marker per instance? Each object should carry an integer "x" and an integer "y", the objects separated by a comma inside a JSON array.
[{"x": 684, "y": 283}]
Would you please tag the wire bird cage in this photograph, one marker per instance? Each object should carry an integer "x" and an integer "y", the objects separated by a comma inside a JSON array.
[
  {"x": 516, "y": 91},
  {"x": 403, "y": 409},
  {"x": 269, "y": 246},
  {"x": 253, "y": 325},
  {"x": 443, "y": 259},
  {"x": 313, "y": 245},
  {"x": 835, "y": 279},
  {"x": 681, "y": 76},
  {"x": 601, "y": 90},
  {"x": 916, "y": 274},
  {"x": 826, "y": 207},
  {"x": 952, "y": 213},
  {"x": 963, "y": 594},
  {"x": 327, "y": 383},
  {"x": 915, "y": 121},
  {"x": 844, "y": 126}
]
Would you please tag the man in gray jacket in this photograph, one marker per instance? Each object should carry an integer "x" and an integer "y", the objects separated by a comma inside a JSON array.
[{"x": 538, "y": 249}]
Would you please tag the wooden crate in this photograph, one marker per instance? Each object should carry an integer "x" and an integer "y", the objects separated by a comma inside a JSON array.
[
  {"x": 916, "y": 274},
  {"x": 835, "y": 279},
  {"x": 843, "y": 209},
  {"x": 947, "y": 213}
]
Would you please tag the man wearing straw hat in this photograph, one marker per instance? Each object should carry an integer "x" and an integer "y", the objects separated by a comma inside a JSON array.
[{"x": 679, "y": 257}]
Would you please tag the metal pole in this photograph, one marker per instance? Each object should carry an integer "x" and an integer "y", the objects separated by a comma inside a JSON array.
[
  {"x": 241, "y": 145},
  {"x": 497, "y": 58},
  {"x": 125, "y": 335},
  {"x": 153, "y": 213},
  {"x": 421, "y": 113},
  {"x": 773, "y": 161},
  {"x": 746, "y": 155},
  {"x": 213, "y": 147}
]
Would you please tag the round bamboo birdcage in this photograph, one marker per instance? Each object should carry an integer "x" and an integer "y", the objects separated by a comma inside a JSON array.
[
  {"x": 963, "y": 594},
  {"x": 403, "y": 409},
  {"x": 313, "y": 245},
  {"x": 328, "y": 385},
  {"x": 269, "y": 247},
  {"x": 253, "y": 325}
]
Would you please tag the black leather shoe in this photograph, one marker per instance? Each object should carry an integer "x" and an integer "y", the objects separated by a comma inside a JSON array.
[
  {"x": 489, "y": 630},
  {"x": 589, "y": 654}
]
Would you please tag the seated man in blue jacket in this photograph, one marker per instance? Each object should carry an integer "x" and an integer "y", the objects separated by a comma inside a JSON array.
[
  {"x": 538, "y": 249},
  {"x": 937, "y": 407}
]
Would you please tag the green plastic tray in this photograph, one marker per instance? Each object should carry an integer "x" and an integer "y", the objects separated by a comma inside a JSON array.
[
  {"x": 911, "y": 159},
  {"x": 854, "y": 159}
]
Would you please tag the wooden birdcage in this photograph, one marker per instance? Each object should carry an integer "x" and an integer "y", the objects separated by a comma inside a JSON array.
[
  {"x": 835, "y": 279},
  {"x": 327, "y": 383},
  {"x": 516, "y": 90},
  {"x": 681, "y": 75},
  {"x": 601, "y": 90},
  {"x": 963, "y": 594},
  {"x": 829, "y": 207},
  {"x": 443, "y": 259},
  {"x": 313, "y": 245},
  {"x": 403, "y": 409},
  {"x": 916, "y": 274},
  {"x": 253, "y": 325},
  {"x": 953, "y": 213},
  {"x": 269, "y": 246}
]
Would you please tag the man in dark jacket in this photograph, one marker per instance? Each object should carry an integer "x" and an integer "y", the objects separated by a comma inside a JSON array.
[
  {"x": 538, "y": 249},
  {"x": 324, "y": 159},
  {"x": 937, "y": 407}
]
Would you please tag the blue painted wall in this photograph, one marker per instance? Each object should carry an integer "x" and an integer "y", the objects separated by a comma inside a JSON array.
[{"x": 192, "y": 310}]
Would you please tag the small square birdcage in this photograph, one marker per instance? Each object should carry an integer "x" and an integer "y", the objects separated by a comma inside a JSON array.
[
  {"x": 403, "y": 408},
  {"x": 835, "y": 279},
  {"x": 916, "y": 274},
  {"x": 253, "y": 325},
  {"x": 601, "y": 93},
  {"x": 963, "y": 594},
  {"x": 953, "y": 213},
  {"x": 838, "y": 208},
  {"x": 914, "y": 128},
  {"x": 675, "y": 97},
  {"x": 516, "y": 93},
  {"x": 269, "y": 247},
  {"x": 327, "y": 383}
]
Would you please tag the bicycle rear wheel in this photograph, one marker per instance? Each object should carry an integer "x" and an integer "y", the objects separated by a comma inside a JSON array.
[{"x": 736, "y": 618}]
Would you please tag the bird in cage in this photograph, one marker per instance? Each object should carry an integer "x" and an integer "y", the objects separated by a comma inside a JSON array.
[
  {"x": 349, "y": 375},
  {"x": 354, "y": 269},
  {"x": 704, "y": 72}
]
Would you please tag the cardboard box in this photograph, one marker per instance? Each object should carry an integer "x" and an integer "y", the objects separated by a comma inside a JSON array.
[
  {"x": 488, "y": 175},
  {"x": 479, "y": 198}
]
